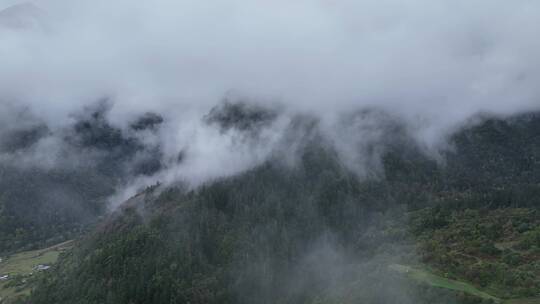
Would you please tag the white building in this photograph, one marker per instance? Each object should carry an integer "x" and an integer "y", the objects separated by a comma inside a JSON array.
[{"x": 42, "y": 267}]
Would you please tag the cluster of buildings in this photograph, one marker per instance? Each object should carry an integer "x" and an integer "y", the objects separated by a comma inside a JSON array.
[{"x": 39, "y": 267}]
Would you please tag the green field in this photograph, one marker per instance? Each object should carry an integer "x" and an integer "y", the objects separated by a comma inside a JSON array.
[
  {"x": 523, "y": 301},
  {"x": 438, "y": 281},
  {"x": 441, "y": 282},
  {"x": 22, "y": 266}
]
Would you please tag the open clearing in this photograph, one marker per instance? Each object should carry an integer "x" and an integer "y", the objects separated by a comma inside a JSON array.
[
  {"x": 438, "y": 281},
  {"x": 523, "y": 301},
  {"x": 24, "y": 264}
]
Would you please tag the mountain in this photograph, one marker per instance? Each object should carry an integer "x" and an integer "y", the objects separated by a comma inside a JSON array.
[
  {"x": 23, "y": 16},
  {"x": 316, "y": 232}
]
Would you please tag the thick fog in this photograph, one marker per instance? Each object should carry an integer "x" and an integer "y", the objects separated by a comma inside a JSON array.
[{"x": 431, "y": 64}]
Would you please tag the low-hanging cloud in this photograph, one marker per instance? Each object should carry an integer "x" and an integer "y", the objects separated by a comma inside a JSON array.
[{"x": 433, "y": 64}]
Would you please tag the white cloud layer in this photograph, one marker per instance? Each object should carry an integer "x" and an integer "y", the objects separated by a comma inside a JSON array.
[
  {"x": 427, "y": 57},
  {"x": 434, "y": 63}
]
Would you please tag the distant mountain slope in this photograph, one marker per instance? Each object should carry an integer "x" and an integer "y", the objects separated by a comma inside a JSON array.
[
  {"x": 53, "y": 195},
  {"x": 22, "y": 16}
]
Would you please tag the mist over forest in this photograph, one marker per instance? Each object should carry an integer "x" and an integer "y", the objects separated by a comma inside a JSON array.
[{"x": 269, "y": 152}]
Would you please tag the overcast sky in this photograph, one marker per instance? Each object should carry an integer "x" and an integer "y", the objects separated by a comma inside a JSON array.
[{"x": 423, "y": 56}]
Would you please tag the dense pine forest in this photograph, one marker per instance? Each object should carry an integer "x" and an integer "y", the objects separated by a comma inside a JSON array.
[{"x": 314, "y": 232}]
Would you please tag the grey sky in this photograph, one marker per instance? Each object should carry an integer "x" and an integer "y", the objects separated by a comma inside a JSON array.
[{"x": 422, "y": 56}]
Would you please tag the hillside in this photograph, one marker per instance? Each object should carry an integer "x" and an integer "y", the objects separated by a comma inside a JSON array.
[
  {"x": 269, "y": 152},
  {"x": 496, "y": 250},
  {"x": 316, "y": 233}
]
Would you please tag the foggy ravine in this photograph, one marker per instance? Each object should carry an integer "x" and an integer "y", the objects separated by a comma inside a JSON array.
[{"x": 101, "y": 101}]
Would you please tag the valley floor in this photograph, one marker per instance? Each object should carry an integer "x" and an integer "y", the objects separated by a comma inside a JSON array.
[{"x": 18, "y": 270}]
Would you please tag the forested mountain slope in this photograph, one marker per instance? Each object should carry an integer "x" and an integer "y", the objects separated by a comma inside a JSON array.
[{"x": 312, "y": 232}]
